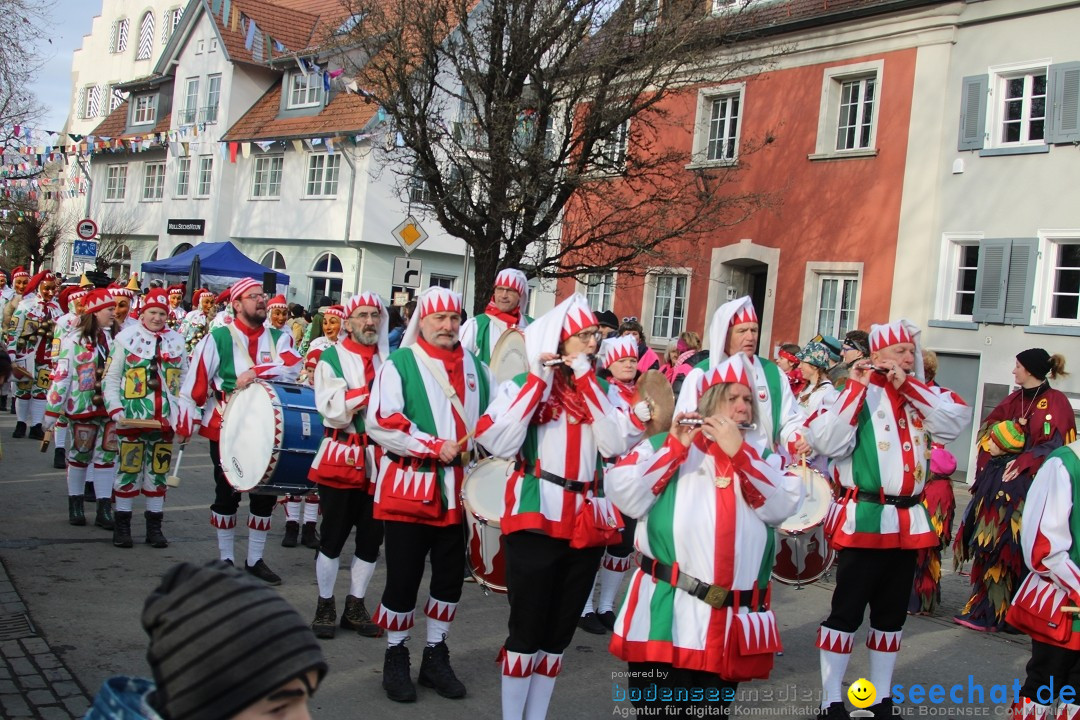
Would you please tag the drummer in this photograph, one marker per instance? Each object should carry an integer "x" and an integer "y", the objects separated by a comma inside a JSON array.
[
  {"x": 426, "y": 400},
  {"x": 344, "y": 468},
  {"x": 877, "y": 434},
  {"x": 505, "y": 311},
  {"x": 147, "y": 364},
  {"x": 558, "y": 416},
  {"x": 230, "y": 358}
]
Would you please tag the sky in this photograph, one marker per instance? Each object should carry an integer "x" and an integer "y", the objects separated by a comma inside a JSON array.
[{"x": 71, "y": 20}]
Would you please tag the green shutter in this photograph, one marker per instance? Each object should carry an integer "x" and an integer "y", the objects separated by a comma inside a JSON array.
[
  {"x": 973, "y": 112},
  {"x": 990, "y": 279},
  {"x": 1020, "y": 287},
  {"x": 1063, "y": 85}
]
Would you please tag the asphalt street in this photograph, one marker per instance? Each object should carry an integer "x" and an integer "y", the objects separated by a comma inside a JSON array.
[{"x": 74, "y": 603}]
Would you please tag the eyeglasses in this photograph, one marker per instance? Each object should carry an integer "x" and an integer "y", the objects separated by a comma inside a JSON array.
[
  {"x": 630, "y": 319},
  {"x": 365, "y": 316},
  {"x": 254, "y": 296},
  {"x": 586, "y": 336}
]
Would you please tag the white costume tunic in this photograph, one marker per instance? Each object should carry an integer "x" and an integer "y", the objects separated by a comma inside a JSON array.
[
  {"x": 710, "y": 515},
  {"x": 480, "y": 333}
]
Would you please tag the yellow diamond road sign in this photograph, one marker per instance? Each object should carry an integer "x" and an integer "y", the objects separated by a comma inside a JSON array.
[{"x": 409, "y": 234}]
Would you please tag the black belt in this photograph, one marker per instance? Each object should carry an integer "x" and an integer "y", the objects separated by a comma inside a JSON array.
[
  {"x": 421, "y": 462},
  {"x": 900, "y": 501},
  {"x": 571, "y": 485},
  {"x": 712, "y": 595},
  {"x": 343, "y": 435}
]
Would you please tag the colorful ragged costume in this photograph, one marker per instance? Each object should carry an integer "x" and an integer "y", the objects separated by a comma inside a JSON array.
[
  {"x": 940, "y": 504},
  {"x": 29, "y": 343}
]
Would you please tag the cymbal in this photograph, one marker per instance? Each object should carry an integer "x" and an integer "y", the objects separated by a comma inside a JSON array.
[{"x": 653, "y": 387}]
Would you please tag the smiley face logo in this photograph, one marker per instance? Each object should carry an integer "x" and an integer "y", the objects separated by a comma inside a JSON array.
[{"x": 862, "y": 693}]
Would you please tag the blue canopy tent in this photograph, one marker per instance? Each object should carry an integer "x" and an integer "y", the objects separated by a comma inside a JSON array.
[{"x": 222, "y": 264}]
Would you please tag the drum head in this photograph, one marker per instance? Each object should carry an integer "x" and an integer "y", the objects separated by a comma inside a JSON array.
[
  {"x": 248, "y": 435},
  {"x": 802, "y": 558},
  {"x": 653, "y": 387},
  {"x": 817, "y": 497},
  {"x": 508, "y": 358},
  {"x": 484, "y": 490}
]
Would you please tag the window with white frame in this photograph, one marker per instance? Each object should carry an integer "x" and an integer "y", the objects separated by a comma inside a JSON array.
[
  {"x": 1020, "y": 111},
  {"x": 1062, "y": 304},
  {"x": 153, "y": 181},
  {"x": 847, "y": 120},
  {"x": 266, "y": 182},
  {"x": 146, "y": 36},
  {"x": 274, "y": 260},
  {"x": 837, "y": 304},
  {"x": 116, "y": 182},
  {"x": 599, "y": 290},
  {"x": 610, "y": 152},
  {"x": 120, "y": 262},
  {"x": 213, "y": 98},
  {"x": 443, "y": 281},
  {"x": 183, "y": 176},
  {"x": 322, "y": 175},
  {"x": 669, "y": 306},
  {"x": 419, "y": 191},
  {"x": 304, "y": 90},
  {"x": 91, "y": 101},
  {"x": 169, "y": 20},
  {"x": 145, "y": 110},
  {"x": 206, "y": 175},
  {"x": 1005, "y": 280},
  {"x": 326, "y": 279},
  {"x": 116, "y": 97},
  {"x": 963, "y": 271},
  {"x": 191, "y": 102},
  {"x": 120, "y": 36},
  {"x": 716, "y": 132},
  {"x": 647, "y": 14}
]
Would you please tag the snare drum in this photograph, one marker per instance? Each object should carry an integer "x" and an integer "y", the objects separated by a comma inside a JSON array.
[
  {"x": 802, "y": 558},
  {"x": 270, "y": 433},
  {"x": 818, "y": 495},
  {"x": 482, "y": 496}
]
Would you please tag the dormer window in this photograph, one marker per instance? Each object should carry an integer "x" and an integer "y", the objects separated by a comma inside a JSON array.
[
  {"x": 305, "y": 90},
  {"x": 144, "y": 111}
]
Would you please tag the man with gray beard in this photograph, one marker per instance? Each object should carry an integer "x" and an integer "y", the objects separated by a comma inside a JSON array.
[{"x": 345, "y": 465}]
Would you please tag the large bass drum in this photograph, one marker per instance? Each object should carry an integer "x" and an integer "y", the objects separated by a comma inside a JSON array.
[
  {"x": 803, "y": 554},
  {"x": 270, "y": 433},
  {"x": 482, "y": 496}
]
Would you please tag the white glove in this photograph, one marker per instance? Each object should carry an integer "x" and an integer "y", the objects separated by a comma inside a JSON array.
[
  {"x": 642, "y": 411},
  {"x": 581, "y": 365}
]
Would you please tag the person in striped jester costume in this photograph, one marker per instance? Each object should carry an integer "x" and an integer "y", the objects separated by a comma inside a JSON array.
[
  {"x": 70, "y": 300},
  {"x": 706, "y": 502},
  {"x": 877, "y": 434},
  {"x": 559, "y": 423},
  {"x": 227, "y": 359},
  {"x": 426, "y": 399},
  {"x": 345, "y": 464},
  {"x": 505, "y": 310}
]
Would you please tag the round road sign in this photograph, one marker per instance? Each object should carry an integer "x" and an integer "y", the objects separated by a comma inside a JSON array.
[{"x": 86, "y": 229}]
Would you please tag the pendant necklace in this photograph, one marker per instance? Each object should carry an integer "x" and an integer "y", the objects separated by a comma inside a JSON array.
[{"x": 1024, "y": 411}]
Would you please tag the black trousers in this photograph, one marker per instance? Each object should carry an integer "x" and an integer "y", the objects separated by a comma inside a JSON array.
[
  {"x": 548, "y": 582},
  {"x": 649, "y": 678},
  {"x": 1049, "y": 670},
  {"x": 878, "y": 578},
  {"x": 407, "y": 546},
  {"x": 227, "y": 499},
  {"x": 343, "y": 510}
]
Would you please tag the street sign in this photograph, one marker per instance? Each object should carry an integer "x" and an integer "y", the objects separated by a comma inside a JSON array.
[
  {"x": 410, "y": 235},
  {"x": 406, "y": 272},
  {"x": 87, "y": 229},
  {"x": 84, "y": 250}
]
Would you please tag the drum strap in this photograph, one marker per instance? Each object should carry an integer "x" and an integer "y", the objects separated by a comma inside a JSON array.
[
  {"x": 240, "y": 342},
  {"x": 712, "y": 595},
  {"x": 439, "y": 373}
]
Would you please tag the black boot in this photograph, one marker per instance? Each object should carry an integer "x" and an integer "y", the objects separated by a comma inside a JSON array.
[
  {"x": 59, "y": 460},
  {"x": 883, "y": 709},
  {"x": 104, "y": 517},
  {"x": 88, "y": 493},
  {"x": 154, "y": 537},
  {"x": 75, "y": 510},
  {"x": 3, "y": 403},
  {"x": 309, "y": 536},
  {"x": 36, "y": 433},
  {"x": 292, "y": 532},
  {"x": 325, "y": 623},
  {"x": 435, "y": 672},
  {"x": 20, "y": 430},
  {"x": 121, "y": 536},
  {"x": 395, "y": 675},
  {"x": 356, "y": 618}
]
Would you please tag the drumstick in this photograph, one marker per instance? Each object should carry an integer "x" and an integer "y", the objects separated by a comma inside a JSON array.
[
  {"x": 802, "y": 464},
  {"x": 174, "y": 479}
]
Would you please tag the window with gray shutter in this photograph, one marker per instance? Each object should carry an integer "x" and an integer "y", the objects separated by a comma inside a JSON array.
[
  {"x": 1006, "y": 280},
  {"x": 1064, "y": 115},
  {"x": 973, "y": 112},
  {"x": 1023, "y": 256}
]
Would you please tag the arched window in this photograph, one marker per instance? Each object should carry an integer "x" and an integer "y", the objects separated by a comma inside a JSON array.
[
  {"x": 181, "y": 248},
  {"x": 326, "y": 279},
  {"x": 274, "y": 261},
  {"x": 146, "y": 36},
  {"x": 120, "y": 264}
]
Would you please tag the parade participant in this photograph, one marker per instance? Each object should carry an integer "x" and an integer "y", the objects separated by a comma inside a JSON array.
[
  {"x": 69, "y": 300},
  {"x": 19, "y": 280},
  {"x": 687, "y": 346},
  {"x": 940, "y": 505},
  {"x": 278, "y": 311},
  {"x": 787, "y": 359},
  {"x": 608, "y": 323},
  {"x": 855, "y": 347},
  {"x": 619, "y": 358},
  {"x": 647, "y": 357},
  {"x": 29, "y": 344},
  {"x": 559, "y": 422},
  {"x": 877, "y": 435},
  {"x": 147, "y": 365},
  {"x": 426, "y": 399},
  {"x": 297, "y": 323},
  {"x": 327, "y": 334},
  {"x": 196, "y": 323},
  {"x": 6, "y": 291},
  {"x": 314, "y": 328},
  {"x": 705, "y": 500},
  {"x": 505, "y": 311},
  {"x": 345, "y": 467},
  {"x": 734, "y": 329},
  {"x": 226, "y": 360},
  {"x": 76, "y": 393},
  {"x": 176, "y": 307},
  {"x": 814, "y": 367},
  {"x": 1014, "y": 440},
  {"x": 1050, "y": 539},
  {"x": 223, "y": 317},
  {"x": 126, "y": 296}
]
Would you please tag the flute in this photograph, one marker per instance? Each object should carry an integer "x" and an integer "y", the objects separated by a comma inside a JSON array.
[
  {"x": 697, "y": 422},
  {"x": 559, "y": 361}
]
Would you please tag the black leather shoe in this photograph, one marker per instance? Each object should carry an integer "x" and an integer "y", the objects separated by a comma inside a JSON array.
[
  {"x": 264, "y": 573},
  {"x": 309, "y": 536},
  {"x": 435, "y": 672},
  {"x": 356, "y": 617},
  {"x": 836, "y": 711},
  {"x": 104, "y": 518},
  {"x": 591, "y": 624},
  {"x": 36, "y": 433},
  {"x": 122, "y": 529},
  {"x": 76, "y": 515},
  {"x": 292, "y": 534},
  {"x": 59, "y": 459},
  {"x": 607, "y": 619},
  {"x": 20, "y": 430},
  {"x": 883, "y": 709},
  {"x": 395, "y": 675},
  {"x": 89, "y": 495},
  {"x": 325, "y": 623},
  {"x": 154, "y": 537}
]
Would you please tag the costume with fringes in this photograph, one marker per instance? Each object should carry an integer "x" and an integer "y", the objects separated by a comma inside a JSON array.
[{"x": 941, "y": 507}]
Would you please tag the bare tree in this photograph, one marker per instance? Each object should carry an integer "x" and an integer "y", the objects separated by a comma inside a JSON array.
[
  {"x": 115, "y": 229},
  {"x": 535, "y": 129},
  {"x": 30, "y": 233},
  {"x": 23, "y": 26}
]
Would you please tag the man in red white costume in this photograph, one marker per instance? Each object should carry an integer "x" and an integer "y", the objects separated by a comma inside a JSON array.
[
  {"x": 29, "y": 344},
  {"x": 505, "y": 310},
  {"x": 345, "y": 464},
  {"x": 230, "y": 358},
  {"x": 426, "y": 400},
  {"x": 877, "y": 435}
]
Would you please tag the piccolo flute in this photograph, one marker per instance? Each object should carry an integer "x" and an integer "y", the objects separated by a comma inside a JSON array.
[
  {"x": 559, "y": 361},
  {"x": 697, "y": 422}
]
